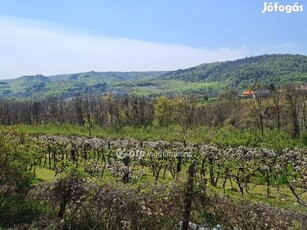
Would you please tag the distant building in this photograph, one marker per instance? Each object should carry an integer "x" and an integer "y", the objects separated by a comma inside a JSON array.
[
  {"x": 262, "y": 93},
  {"x": 248, "y": 94}
]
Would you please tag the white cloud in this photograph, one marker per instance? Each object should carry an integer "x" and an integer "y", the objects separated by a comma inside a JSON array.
[
  {"x": 290, "y": 47},
  {"x": 32, "y": 47}
]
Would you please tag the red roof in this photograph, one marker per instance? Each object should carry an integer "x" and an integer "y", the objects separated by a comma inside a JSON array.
[{"x": 248, "y": 92}]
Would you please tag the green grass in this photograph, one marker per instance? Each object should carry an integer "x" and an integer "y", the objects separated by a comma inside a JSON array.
[
  {"x": 222, "y": 137},
  {"x": 45, "y": 174},
  {"x": 258, "y": 194},
  {"x": 168, "y": 87},
  {"x": 19, "y": 211}
]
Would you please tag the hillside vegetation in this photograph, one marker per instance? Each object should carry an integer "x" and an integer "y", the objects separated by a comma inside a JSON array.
[
  {"x": 241, "y": 73},
  {"x": 206, "y": 79},
  {"x": 69, "y": 85}
]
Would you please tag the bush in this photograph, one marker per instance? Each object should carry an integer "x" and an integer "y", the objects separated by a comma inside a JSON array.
[
  {"x": 15, "y": 170},
  {"x": 18, "y": 211},
  {"x": 16, "y": 178}
]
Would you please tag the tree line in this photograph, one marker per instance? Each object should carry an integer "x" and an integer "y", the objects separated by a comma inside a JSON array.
[{"x": 272, "y": 108}]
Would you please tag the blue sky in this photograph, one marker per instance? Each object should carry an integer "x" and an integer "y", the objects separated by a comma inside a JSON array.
[{"x": 66, "y": 36}]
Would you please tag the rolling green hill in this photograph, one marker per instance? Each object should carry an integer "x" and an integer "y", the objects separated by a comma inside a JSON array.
[
  {"x": 206, "y": 79},
  {"x": 69, "y": 85},
  {"x": 241, "y": 73}
]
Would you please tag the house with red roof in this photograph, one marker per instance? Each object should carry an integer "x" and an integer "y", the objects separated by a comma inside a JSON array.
[{"x": 248, "y": 94}]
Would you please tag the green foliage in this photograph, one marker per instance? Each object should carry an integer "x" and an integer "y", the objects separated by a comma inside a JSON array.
[
  {"x": 243, "y": 72},
  {"x": 72, "y": 171},
  {"x": 163, "y": 114},
  {"x": 221, "y": 136},
  {"x": 16, "y": 178},
  {"x": 18, "y": 211},
  {"x": 206, "y": 79},
  {"x": 304, "y": 138},
  {"x": 15, "y": 172},
  {"x": 66, "y": 86}
]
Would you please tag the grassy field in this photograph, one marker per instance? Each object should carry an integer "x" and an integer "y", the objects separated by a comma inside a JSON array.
[
  {"x": 222, "y": 137},
  {"x": 169, "y": 87}
]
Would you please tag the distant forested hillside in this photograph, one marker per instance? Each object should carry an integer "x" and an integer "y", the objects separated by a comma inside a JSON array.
[
  {"x": 241, "y": 73},
  {"x": 206, "y": 79},
  {"x": 69, "y": 85}
]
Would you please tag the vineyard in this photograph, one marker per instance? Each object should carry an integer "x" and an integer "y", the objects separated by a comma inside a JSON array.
[{"x": 129, "y": 184}]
